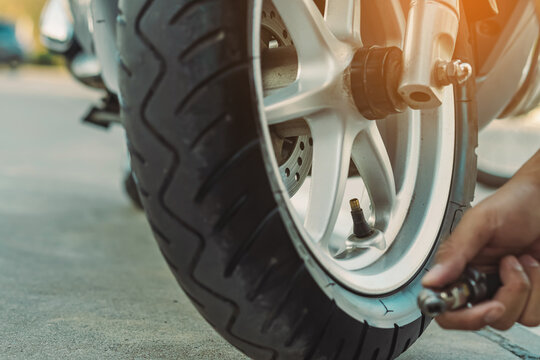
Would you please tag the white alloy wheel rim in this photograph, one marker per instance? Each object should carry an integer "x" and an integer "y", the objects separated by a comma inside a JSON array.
[{"x": 408, "y": 197}]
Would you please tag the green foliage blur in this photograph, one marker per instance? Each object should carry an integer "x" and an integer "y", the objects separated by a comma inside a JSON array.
[{"x": 16, "y": 8}]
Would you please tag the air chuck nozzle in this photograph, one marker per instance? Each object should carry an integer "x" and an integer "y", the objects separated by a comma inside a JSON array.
[
  {"x": 431, "y": 303},
  {"x": 361, "y": 227},
  {"x": 473, "y": 287}
]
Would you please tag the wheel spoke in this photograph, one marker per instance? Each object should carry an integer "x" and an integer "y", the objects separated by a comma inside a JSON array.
[
  {"x": 371, "y": 159},
  {"x": 332, "y": 145},
  {"x": 315, "y": 44},
  {"x": 293, "y": 102},
  {"x": 321, "y": 59},
  {"x": 343, "y": 18}
]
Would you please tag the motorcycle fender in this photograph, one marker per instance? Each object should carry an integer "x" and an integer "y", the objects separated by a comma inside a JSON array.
[
  {"x": 507, "y": 66},
  {"x": 95, "y": 28}
]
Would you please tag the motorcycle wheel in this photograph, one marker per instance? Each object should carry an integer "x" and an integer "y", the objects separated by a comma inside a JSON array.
[{"x": 239, "y": 223}]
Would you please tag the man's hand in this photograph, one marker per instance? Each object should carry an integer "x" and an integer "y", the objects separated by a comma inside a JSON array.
[{"x": 501, "y": 233}]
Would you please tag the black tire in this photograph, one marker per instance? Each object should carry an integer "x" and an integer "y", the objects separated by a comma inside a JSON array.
[
  {"x": 193, "y": 135},
  {"x": 130, "y": 187}
]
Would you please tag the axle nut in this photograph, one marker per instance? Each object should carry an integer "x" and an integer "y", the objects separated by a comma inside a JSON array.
[{"x": 375, "y": 76}]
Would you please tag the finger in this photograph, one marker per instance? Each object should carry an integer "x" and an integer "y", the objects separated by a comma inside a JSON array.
[
  {"x": 471, "y": 235},
  {"x": 513, "y": 294},
  {"x": 473, "y": 318},
  {"x": 489, "y": 257},
  {"x": 531, "y": 315}
]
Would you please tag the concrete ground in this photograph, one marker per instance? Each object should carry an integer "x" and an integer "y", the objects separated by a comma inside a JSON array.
[{"x": 80, "y": 275}]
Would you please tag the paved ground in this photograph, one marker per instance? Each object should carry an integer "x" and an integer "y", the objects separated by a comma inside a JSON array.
[{"x": 80, "y": 276}]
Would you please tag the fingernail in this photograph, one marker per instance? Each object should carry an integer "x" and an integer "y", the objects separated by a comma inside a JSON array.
[
  {"x": 494, "y": 315},
  {"x": 529, "y": 261},
  {"x": 516, "y": 264},
  {"x": 434, "y": 274}
]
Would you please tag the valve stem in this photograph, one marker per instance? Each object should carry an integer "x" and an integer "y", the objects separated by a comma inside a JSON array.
[{"x": 361, "y": 227}]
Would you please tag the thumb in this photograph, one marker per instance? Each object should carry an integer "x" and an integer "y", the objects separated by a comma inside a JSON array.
[{"x": 471, "y": 235}]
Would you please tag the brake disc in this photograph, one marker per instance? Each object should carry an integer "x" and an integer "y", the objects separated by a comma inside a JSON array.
[{"x": 294, "y": 154}]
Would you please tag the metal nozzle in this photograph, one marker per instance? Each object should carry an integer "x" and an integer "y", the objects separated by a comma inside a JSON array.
[
  {"x": 430, "y": 303},
  {"x": 473, "y": 287}
]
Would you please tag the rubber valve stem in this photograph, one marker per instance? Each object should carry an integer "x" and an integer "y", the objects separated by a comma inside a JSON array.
[{"x": 361, "y": 227}]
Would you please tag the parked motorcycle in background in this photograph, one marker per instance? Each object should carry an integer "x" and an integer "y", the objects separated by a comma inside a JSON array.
[
  {"x": 300, "y": 161},
  {"x": 70, "y": 34}
]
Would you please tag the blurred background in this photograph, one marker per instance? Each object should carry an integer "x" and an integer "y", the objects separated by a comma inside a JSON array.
[{"x": 19, "y": 28}]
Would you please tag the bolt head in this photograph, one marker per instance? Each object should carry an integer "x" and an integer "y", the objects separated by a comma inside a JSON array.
[
  {"x": 453, "y": 72},
  {"x": 464, "y": 72}
]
